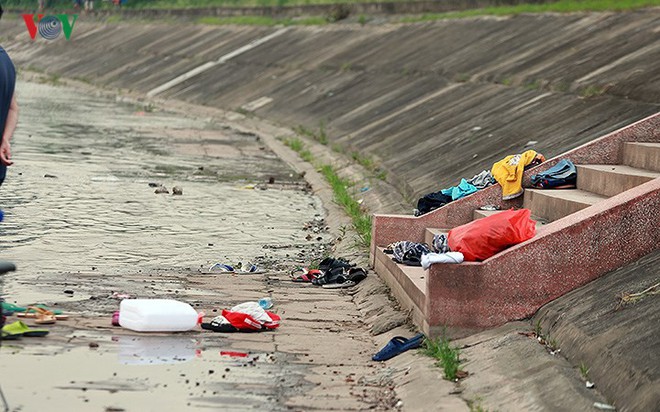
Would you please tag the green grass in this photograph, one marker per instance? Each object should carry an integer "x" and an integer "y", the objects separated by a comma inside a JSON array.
[
  {"x": 319, "y": 136},
  {"x": 447, "y": 357},
  {"x": 294, "y": 143},
  {"x": 369, "y": 164},
  {"x": 262, "y": 21},
  {"x": 562, "y": 6},
  {"x": 340, "y": 188},
  {"x": 361, "y": 220},
  {"x": 584, "y": 371}
]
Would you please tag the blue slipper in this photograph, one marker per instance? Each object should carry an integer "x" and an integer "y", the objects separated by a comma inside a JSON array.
[{"x": 398, "y": 345}]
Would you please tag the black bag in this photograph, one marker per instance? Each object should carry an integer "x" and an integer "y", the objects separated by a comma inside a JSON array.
[{"x": 563, "y": 173}]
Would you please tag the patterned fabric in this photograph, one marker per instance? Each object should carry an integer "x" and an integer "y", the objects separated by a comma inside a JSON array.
[{"x": 440, "y": 243}]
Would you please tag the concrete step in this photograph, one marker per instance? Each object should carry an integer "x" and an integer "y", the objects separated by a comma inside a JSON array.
[
  {"x": 478, "y": 214},
  {"x": 407, "y": 284},
  {"x": 553, "y": 204},
  {"x": 642, "y": 155},
  {"x": 431, "y": 232},
  {"x": 610, "y": 180}
]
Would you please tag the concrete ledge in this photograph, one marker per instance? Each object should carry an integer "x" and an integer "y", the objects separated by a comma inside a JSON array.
[
  {"x": 565, "y": 255},
  {"x": 410, "y": 294}
]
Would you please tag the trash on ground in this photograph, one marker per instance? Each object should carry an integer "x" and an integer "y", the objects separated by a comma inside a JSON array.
[
  {"x": 397, "y": 345},
  {"x": 157, "y": 315}
]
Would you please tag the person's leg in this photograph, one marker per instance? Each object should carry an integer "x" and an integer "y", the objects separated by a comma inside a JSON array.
[{"x": 3, "y": 173}]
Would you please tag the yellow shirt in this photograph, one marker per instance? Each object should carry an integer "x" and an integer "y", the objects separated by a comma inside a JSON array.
[{"x": 508, "y": 173}]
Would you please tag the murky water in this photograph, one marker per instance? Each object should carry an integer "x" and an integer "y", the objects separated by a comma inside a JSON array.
[
  {"x": 80, "y": 215},
  {"x": 78, "y": 196}
]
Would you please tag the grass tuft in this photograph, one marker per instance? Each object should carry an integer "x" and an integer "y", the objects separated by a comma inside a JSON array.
[
  {"x": 447, "y": 357},
  {"x": 340, "y": 187}
]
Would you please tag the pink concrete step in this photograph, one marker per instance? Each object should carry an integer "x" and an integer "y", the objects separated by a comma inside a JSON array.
[
  {"x": 407, "y": 284},
  {"x": 642, "y": 155},
  {"x": 610, "y": 180},
  {"x": 554, "y": 204}
]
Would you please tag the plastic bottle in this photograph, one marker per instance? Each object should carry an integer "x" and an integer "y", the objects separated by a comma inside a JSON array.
[
  {"x": 266, "y": 303},
  {"x": 157, "y": 315}
]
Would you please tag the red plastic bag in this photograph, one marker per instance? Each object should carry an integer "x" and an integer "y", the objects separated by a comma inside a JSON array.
[
  {"x": 483, "y": 238},
  {"x": 243, "y": 321}
]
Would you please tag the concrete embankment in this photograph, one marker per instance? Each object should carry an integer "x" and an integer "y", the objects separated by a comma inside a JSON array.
[{"x": 431, "y": 103}]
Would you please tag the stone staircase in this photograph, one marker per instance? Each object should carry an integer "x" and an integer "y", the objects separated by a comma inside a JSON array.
[{"x": 609, "y": 220}]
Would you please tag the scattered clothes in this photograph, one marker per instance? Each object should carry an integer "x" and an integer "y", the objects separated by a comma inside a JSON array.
[
  {"x": 307, "y": 275},
  {"x": 409, "y": 253},
  {"x": 431, "y": 202},
  {"x": 448, "y": 257},
  {"x": 19, "y": 328},
  {"x": 482, "y": 180},
  {"x": 463, "y": 189},
  {"x": 246, "y": 317},
  {"x": 563, "y": 175},
  {"x": 508, "y": 173},
  {"x": 440, "y": 244},
  {"x": 330, "y": 263},
  {"x": 483, "y": 238},
  {"x": 397, "y": 346}
]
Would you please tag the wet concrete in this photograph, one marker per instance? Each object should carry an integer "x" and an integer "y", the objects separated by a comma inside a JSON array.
[{"x": 96, "y": 228}]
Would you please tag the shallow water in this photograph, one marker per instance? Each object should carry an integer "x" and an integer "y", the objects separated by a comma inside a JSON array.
[
  {"x": 78, "y": 197},
  {"x": 81, "y": 217}
]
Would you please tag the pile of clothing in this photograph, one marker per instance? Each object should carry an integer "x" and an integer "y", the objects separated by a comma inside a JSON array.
[
  {"x": 333, "y": 273},
  {"x": 474, "y": 241},
  {"x": 507, "y": 172}
]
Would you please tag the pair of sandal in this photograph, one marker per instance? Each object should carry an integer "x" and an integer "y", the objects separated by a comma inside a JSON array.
[
  {"x": 42, "y": 316},
  {"x": 340, "y": 278},
  {"x": 241, "y": 268}
]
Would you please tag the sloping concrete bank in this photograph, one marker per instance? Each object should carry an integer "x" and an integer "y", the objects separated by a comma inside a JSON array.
[
  {"x": 430, "y": 102},
  {"x": 615, "y": 339}
]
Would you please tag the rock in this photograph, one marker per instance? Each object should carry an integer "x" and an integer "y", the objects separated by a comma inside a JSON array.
[
  {"x": 177, "y": 190},
  {"x": 152, "y": 184},
  {"x": 50, "y": 176},
  {"x": 161, "y": 189}
]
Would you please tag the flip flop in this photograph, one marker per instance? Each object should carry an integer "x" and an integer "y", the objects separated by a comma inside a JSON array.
[
  {"x": 221, "y": 268},
  {"x": 397, "y": 346},
  {"x": 248, "y": 267},
  {"x": 9, "y": 336},
  {"x": 21, "y": 329},
  {"x": 10, "y": 307},
  {"x": 41, "y": 316},
  {"x": 345, "y": 284}
]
